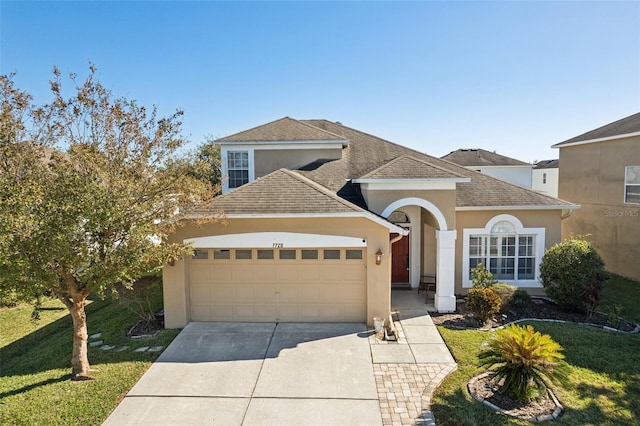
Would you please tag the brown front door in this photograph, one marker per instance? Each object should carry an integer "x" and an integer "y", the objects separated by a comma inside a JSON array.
[{"x": 400, "y": 261}]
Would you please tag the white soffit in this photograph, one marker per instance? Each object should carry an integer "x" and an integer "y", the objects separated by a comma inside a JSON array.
[{"x": 275, "y": 240}]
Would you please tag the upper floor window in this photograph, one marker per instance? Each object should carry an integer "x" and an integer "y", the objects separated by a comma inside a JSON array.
[
  {"x": 238, "y": 168},
  {"x": 632, "y": 185},
  {"x": 544, "y": 178}
]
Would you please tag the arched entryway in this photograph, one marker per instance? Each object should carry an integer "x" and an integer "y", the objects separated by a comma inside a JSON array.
[{"x": 429, "y": 249}]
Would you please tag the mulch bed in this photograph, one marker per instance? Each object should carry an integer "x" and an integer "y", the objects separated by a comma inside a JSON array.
[
  {"x": 486, "y": 389},
  {"x": 538, "y": 308}
]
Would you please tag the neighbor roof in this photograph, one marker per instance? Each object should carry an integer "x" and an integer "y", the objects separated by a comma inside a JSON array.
[
  {"x": 284, "y": 129},
  {"x": 547, "y": 164},
  {"x": 625, "y": 126},
  {"x": 479, "y": 157}
]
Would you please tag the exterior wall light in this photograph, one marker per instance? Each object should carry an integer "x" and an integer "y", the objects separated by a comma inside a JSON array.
[
  {"x": 378, "y": 257},
  {"x": 171, "y": 261}
]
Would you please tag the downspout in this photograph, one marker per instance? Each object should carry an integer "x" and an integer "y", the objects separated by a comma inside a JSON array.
[{"x": 393, "y": 335}]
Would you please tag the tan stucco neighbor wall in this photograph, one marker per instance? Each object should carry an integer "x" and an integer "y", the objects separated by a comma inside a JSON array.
[
  {"x": 378, "y": 277},
  {"x": 548, "y": 219},
  {"x": 269, "y": 160},
  {"x": 593, "y": 175}
]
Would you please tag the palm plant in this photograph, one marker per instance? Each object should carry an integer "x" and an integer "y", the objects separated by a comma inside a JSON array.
[{"x": 525, "y": 360}]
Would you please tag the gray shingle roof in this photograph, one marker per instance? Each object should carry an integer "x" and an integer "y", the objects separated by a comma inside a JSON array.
[
  {"x": 284, "y": 129},
  {"x": 366, "y": 152},
  {"x": 480, "y": 157},
  {"x": 327, "y": 186},
  {"x": 281, "y": 192},
  {"x": 623, "y": 126},
  {"x": 409, "y": 167},
  {"x": 547, "y": 164}
]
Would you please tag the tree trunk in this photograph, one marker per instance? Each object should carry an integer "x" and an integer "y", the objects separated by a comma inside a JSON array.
[{"x": 80, "y": 355}]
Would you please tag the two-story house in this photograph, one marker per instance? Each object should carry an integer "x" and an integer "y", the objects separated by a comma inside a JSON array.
[
  {"x": 545, "y": 177},
  {"x": 493, "y": 164},
  {"x": 601, "y": 172},
  {"x": 321, "y": 219}
]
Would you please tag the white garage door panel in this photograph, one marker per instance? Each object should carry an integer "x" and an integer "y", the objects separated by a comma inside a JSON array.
[{"x": 277, "y": 290}]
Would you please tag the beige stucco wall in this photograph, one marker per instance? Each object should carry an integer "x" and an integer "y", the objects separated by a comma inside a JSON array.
[
  {"x": 592, "y": 175},
  {"x": 444, "y": 200},
  {"x": 269, "y": 160},
  {"x": 548, "y": 219},
  {"x": 377, "y": 236}
]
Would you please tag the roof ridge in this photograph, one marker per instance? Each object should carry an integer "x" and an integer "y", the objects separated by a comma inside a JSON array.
[
  {"x": 325, "y": 191},
  {"x": 318, "y": 128},
  {"x": 222, "y": 139},
  {"x": 255, "y": 127}
]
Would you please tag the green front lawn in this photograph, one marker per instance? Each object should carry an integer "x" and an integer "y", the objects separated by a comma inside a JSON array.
[
  {"x": 35, "y": 365},
  {"x": 605, "y": 371}
]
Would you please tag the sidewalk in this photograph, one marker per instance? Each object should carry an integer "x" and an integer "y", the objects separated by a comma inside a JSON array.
[{"x": 407, "y": 372}]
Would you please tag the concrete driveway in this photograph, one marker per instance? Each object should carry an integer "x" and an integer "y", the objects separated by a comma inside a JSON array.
[{"x": 258, "y": 374}]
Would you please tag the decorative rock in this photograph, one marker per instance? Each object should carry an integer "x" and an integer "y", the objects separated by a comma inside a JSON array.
[
  {"x": 96, "y": 343},
  {"x": 142, "y": 349},
  {"x": 95, "y": 336}
]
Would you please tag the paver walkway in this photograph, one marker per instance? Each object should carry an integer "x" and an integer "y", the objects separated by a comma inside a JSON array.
[{"x": 408, "y": 372}]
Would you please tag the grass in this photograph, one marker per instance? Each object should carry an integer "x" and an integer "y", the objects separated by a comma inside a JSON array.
[
  {"x": 604, "y": 376},
  {"x": 35, "y": 364}
]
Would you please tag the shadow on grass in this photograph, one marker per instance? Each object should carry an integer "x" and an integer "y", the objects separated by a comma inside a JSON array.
[
  {"x": 32, "y": 386},
  {"x": 458, "y": 409},
  {"x": 50, "y": 346}
]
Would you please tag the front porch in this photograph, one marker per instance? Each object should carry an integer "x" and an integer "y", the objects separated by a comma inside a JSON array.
[{"x": 408, "y": 299}]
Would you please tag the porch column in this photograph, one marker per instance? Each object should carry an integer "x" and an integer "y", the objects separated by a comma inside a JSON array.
[{"x": 445, "y": 299}]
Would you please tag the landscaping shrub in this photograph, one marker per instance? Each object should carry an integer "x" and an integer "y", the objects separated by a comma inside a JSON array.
[
  {"x": 526, "y": 360},
  {"x": 484, "y": 303},
  {"x": 506, "y": 293},
  {"x": 573, "y": 274},
  {"x": 481, "y": 277},
  {"x": 520, "y": 298}
]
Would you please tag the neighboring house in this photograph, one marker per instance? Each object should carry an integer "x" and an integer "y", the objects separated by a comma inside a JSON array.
[
  {"x": 321, "y": 218},
  {"x": 545, "y": 177},
  {"x": 499, "y": 166},
  {"x": 601, "y": 172}
]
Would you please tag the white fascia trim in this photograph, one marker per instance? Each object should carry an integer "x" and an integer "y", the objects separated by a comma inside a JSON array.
[
  {"x": 609, "y": 138},
  {"x": 523, "y": 166},
  {"x": 275, "y": 240},
  {"x": 538, "y": 207},
  {"x": 416, "y": 184},
  {"x": 390, "y": 226},
  {"x": 320, "y": 143}
]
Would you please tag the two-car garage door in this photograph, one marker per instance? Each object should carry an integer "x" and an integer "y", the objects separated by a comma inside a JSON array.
[{"x": 278, "y": 284}]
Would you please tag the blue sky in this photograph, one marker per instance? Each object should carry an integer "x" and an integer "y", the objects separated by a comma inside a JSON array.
[{"x": 510, "y": 76}]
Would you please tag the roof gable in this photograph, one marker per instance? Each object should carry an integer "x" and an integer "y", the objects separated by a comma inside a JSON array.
[
  {"x": 480, "y": 157},
  {"x": 281, "y": 192},
  {"x": 409, "y": 167},
  {"x": 625, "y": 126},
  {"x": 284, "y": 129}
]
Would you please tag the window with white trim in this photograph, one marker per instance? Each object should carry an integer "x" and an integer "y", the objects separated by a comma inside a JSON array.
[
  {"x": 507, "y": 255},
  {"x": 509, "y": 251},
  {"x": 632, "y": 184},
  {"x": 238, "y": 168}
]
